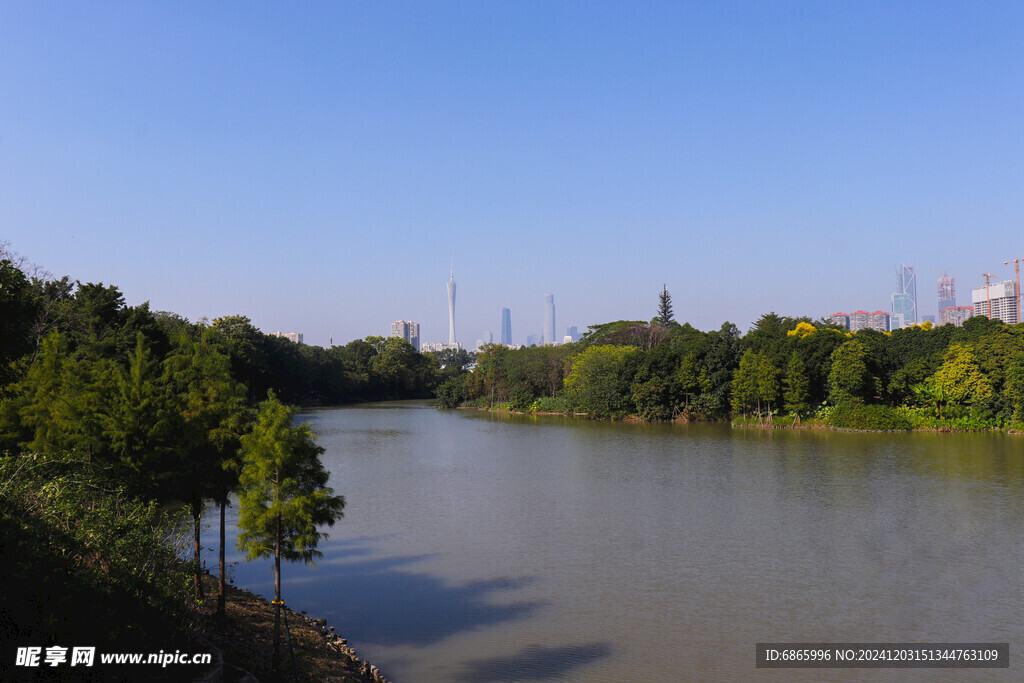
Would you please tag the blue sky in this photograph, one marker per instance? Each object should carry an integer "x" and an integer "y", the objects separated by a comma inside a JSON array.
[{"x": 315, "y": 165}]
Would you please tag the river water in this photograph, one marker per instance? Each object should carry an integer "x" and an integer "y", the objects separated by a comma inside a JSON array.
[{"x": 480, "y": 547}]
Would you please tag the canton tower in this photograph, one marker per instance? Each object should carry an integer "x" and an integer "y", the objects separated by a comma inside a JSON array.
[{"x": 451, "y": 306}]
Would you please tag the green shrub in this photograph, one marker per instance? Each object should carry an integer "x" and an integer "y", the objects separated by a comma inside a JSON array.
[
  {"x": 451, "y": 393},
  {"x": 520, "y": 400},
  {"x": 961, "y": 418},
  {"x": 86, "y": 562},
  {"x": 854, "y": 415},
  {"x": 551, "y": 404},
  {"x": 651, "y": 400}
]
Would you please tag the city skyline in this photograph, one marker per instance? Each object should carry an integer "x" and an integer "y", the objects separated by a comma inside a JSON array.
[{"x": 312, "y": 169}]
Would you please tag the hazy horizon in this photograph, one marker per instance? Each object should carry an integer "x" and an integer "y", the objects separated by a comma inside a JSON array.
[{"x": 315, "y": 167}]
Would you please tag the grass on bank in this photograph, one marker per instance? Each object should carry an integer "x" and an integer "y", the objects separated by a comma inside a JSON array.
[{"x": 87, "y": 564}]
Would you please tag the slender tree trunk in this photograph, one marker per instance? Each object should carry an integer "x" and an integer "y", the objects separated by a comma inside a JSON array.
[
  {"x": 197, "y": 514},
  {"x": 277, "y": 597},
  {"x": 222, "y": 587}
]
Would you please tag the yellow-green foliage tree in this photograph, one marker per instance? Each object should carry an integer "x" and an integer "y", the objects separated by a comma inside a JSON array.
[
  {"x": 1013, "y": 389},
  {"x": 802, "y": 329},
  {"x": 960, "y": 378}
]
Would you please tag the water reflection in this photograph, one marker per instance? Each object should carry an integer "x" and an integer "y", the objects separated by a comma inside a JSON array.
[
  {"x": 381, "y": 601},
  {"x": 535, "y": 663},
  {"x": 486, "y": 547}
]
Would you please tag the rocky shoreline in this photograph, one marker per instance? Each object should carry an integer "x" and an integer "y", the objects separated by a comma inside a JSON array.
[{"x": 241, "y": 644}]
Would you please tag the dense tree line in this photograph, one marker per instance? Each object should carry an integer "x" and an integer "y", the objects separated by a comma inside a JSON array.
[
  {"x": 180, "y": 413},
  {"x": 783, "y": 370}
]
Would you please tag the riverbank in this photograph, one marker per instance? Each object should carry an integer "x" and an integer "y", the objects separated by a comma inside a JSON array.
[
  {"x": 879, "y": 423},
  {"x": 244, "y": 640}
]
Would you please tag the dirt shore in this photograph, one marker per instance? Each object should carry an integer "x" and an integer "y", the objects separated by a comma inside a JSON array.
[{"x": 243, "y": 641}]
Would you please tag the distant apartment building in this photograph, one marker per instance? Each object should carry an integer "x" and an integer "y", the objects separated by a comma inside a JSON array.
[
  {"x": 572, "y": 333},
  {"x": 290, "y": 336},
  {"x": 862, "y": 320},
  {"x": 955, "y": 315},
  {"x": 489, "y": 339},
  {"x": 434, "y": 347},
  {"x": 841, "y": 319},
  {"x": 407, "y": 330},
  {"x": 1003, "y": 297}
]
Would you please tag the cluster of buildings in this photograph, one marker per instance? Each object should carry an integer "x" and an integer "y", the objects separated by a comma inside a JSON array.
[
  {"x": 410, "y": 331},
  {"x": 290, "y": 336},
  {"x": 1000, "y": 300}
]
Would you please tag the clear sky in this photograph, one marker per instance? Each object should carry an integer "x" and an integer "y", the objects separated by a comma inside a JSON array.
[{"x": 315, "y": 165}]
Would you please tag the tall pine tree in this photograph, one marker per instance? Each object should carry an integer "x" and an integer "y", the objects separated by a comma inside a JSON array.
[
  {"x": 664, "y": 306},
  {"x": 284, "y": 496},
  {"x": 209, "y": 406},
  {"x": 797, "y": 395}
]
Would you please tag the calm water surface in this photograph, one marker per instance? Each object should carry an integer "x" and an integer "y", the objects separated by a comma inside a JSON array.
[{"x": 479, "y": 547}]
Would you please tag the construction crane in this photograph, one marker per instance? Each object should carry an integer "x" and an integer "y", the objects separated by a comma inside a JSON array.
[
  {"x": 1016, "y": 270},
  {"x": 988, "y": 298}
]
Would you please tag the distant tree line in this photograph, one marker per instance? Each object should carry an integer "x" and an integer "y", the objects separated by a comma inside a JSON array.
[{"x": 783, "y": 371}]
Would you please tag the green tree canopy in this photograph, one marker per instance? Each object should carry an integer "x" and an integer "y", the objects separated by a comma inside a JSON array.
[
  {"x": 284, "y": 495},
  {"x": 960, "y": 378},
  {"x": 600, "y": 379},
  {"x": 796, "y": 393},
  {"x": 849, "y": 378}
]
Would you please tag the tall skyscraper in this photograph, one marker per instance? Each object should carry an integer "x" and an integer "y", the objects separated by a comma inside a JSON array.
[
  {"x": 451, "y": 306},
  {"x": 407, "y": 330},
  {"x": 506, "y": 327},
  {"x": 904, "y": 299},
  {"x": 549, "y": 319},
  {"x": 947, "y": 292}
]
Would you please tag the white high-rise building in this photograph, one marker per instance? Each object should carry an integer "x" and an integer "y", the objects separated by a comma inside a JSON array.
[
  {"x": 841, "y": 319},
  {"x": 290, "y": 336},
  {"x": 862, "y": 320},
  {"x": 407, "y": 330},
  {"x": 1003, "y": 296}
]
